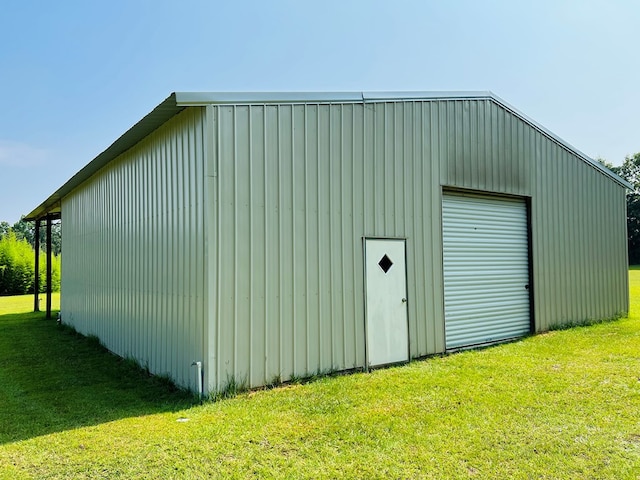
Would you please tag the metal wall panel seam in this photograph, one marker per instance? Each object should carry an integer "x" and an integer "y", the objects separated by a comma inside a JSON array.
[
  {"x": 209, "y": 279},
  {"x": 188, "y": 150},
  {"x": 611, "y": 259},
  {"x": 508, "y": 150},
  {"x": 286, "y": 192},
  {"x": 252, "y": 273},
  {"x": 553, "y": 232},
  {"x": 184, "y": 319},
  {"x": 399, "y": 163},
  {"x": 466, "y": 150},
  {"x": 293, "y": 243},
  {"x": 199, "y": 228},
  {"x": 234, "y": 317},
  {"x": 354, "y": 235},
  {"x": 260, "y": 289},
  {"x": 606, "y": 260},
  {"x": 331, "y": 350},
  {"x": 562, "y": 221},
  {"x": 330, "y": 248},
  {"x": 216, "y": 368},
  {"x": 175, "y": 362},
  {"x": 318, "y": 211},
  {"x": 557, "y": 221},
  {"x": 267, "y": 313},
  {"x": 389, "y": 170},
  {"x": 602, "y": 265},
  {"x": 418, "y": 248},
  {"x": 346, "y": 215},
  {"x": 422, "y": 189},
  {"x": 545, "y": 254},
  {"x": 271, "y": 260},
  {"x": 165, "y": 353},
  {"x": 280, "y": 242},
  {"x": 435, "y": 342},
  {"x": 202, "y": 315},
  {"x": 172, "y": 311},
  {"x": 358, "y": 276},
  {"x": 315, "y": 271},
  {"x": 573, "y": 247},
  {"x": 408, "y": 193},
  {"x": 591, "y": 252},
  {"x": 581, "y": 254},
  {"x": 306, "y": 240},
  {"x": 458, "y": 140}
]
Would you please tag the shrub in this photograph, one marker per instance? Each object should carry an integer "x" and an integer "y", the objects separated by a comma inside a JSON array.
[{"x": 17, "y": 267}]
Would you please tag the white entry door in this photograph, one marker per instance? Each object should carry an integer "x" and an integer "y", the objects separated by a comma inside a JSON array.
[{"x": 386, "y": 292}]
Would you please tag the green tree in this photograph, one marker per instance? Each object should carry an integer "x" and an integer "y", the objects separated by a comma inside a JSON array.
[
  {"x": 630, "y": 171},
  {"x": 26, "y": 230},
  {"x": 4, "y": 228}
]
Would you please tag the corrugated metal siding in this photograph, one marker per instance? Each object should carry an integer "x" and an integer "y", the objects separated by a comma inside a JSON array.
[
  {"x": 483, "y": 147},
  {"x": 299, "y": 186},
  {"x": 134, "y": 251},
  {"x": 486, "y": 269},
  {"x": 578, "y": 215},
  {"x": 275, "y": 237},
  {"x": 579, "y": 240}
]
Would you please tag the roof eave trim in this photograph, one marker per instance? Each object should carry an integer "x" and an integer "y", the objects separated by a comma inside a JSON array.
[
  {"x": 199, "y": 99},
  {"x": 150, "y": 122}
]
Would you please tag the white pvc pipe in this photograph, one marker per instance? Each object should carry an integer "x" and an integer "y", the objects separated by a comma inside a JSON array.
[{"x": 198, "y": 366}]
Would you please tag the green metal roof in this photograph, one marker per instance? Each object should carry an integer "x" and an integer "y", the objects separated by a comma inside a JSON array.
[{"x": 178, "y": 101}]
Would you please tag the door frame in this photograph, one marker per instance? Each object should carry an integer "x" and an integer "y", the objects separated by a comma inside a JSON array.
[{"x": 364, "y": 285}]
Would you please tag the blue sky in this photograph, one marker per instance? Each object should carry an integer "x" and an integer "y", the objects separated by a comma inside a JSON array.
[{"x": 75, "y": 75}]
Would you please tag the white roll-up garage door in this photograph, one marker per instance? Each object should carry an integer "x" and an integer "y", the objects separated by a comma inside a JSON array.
[{"x": 486, "y": 269}]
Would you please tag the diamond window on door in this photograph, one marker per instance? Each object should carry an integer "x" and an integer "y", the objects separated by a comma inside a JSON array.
[{"x": 385, "y": 263}]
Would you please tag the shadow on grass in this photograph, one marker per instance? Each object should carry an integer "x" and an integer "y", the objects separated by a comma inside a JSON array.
[{"x": 52, "y": 379}]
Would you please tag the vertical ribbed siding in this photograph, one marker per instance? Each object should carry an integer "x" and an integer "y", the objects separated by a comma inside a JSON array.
[
  {"x": 275, "y": 236},
  {"x": 134, "y": 235},
  {"x": 577, "y": 220},
  {"x": 299, "y": 187},
  {"x": 290, "y": 192},
  {"x": 579, "y": 240},
  {"x": 484, "y": 148}
]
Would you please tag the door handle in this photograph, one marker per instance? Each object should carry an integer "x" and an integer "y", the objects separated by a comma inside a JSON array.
[{"x": 404, "y": 300}]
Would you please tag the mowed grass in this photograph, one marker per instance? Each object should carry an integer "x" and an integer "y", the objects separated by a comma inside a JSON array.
[{"x": 564, "y": 404}]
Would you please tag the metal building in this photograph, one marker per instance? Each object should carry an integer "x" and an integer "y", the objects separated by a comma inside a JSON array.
[{"x": 272, "y": 235}]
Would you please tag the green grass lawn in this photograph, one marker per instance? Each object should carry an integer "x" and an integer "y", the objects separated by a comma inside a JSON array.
[{"x": 565, "y": 404}]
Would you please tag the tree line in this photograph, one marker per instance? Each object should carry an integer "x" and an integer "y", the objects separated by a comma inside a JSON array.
[
  {"x": 17, "y": 258},
  {"x": 630, "y": 171},
  {"x": 27, "y": 231}
]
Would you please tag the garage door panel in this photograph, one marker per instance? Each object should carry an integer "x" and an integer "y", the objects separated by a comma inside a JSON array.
[
  {"x": 492, "y": 329},
  {"x": 485, "y": 285},
  {"x": 486, "y": 269},
  {"x": 476, "y": 304},
  {"x": 479, "y": 320},
  {"x": 497, "y": 315}
]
